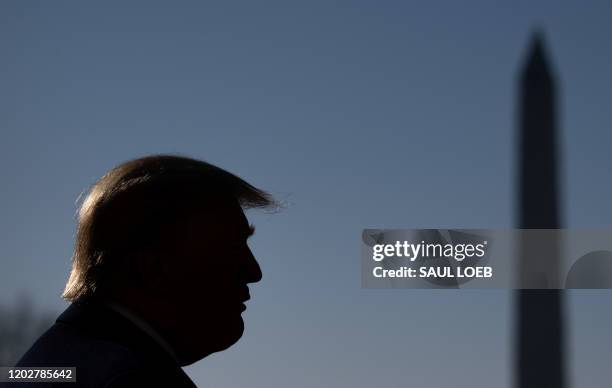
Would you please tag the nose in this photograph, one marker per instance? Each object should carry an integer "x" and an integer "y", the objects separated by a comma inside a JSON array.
[{"x": 251, "y": 272}]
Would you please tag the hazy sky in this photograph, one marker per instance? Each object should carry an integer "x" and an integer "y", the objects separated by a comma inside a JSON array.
[{"x": 359, "y": 114}]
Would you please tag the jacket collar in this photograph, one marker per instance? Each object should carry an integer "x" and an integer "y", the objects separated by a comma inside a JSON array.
[{"x": 96, "y": 319}]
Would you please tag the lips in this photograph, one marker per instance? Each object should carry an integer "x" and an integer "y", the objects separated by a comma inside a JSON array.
[
  {"x": 244, "y": 295},
  {"x": 243, "y": 301}
]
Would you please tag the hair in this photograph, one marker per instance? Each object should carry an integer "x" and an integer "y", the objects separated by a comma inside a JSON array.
[{"x": 132, "y": 205}]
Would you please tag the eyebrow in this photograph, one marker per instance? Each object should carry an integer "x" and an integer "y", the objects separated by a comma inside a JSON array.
[{"x": 251, "y": 230}]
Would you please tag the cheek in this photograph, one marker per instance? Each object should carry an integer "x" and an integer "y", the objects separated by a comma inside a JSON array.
[{"x": 205, "y": 277}]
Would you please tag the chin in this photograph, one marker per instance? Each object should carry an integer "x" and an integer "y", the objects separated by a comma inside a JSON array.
[
  {"x": 230, "y": 333},
  {"x": 225, "y": 334}
]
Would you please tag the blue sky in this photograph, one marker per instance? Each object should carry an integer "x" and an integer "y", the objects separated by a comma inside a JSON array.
[{"x": 358, "y": 114}]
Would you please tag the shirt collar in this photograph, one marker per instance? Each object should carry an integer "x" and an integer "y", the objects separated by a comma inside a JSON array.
[{"x": 143, "y": 325}]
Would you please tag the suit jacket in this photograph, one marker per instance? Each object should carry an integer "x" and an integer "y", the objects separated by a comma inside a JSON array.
[{"x": 107, "y": 349}]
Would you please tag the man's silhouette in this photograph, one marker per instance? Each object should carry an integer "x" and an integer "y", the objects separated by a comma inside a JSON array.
[{"x": 159, "y": 274}]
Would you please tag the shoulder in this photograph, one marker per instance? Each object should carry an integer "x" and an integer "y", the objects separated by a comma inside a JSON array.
[
  {"x": 95, "y": 360},
  {"x": 106, "y": 350},
  {"x": 63, "y": 346}
]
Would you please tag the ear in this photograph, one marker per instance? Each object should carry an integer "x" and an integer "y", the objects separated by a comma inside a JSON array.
[{"x": 152, "y": 273}]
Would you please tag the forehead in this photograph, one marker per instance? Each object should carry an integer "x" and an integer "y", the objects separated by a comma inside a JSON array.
[{"x": 218, "y": 217}]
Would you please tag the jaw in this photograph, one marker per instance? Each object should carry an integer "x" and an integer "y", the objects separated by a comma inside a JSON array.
[{"x": 206, "y": 339}]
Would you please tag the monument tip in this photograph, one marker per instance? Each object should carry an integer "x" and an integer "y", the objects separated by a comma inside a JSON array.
[{"x": 537, "y": 64}]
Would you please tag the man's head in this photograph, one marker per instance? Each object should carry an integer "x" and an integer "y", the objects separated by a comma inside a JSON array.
[{"x": 166, "y": 235}]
